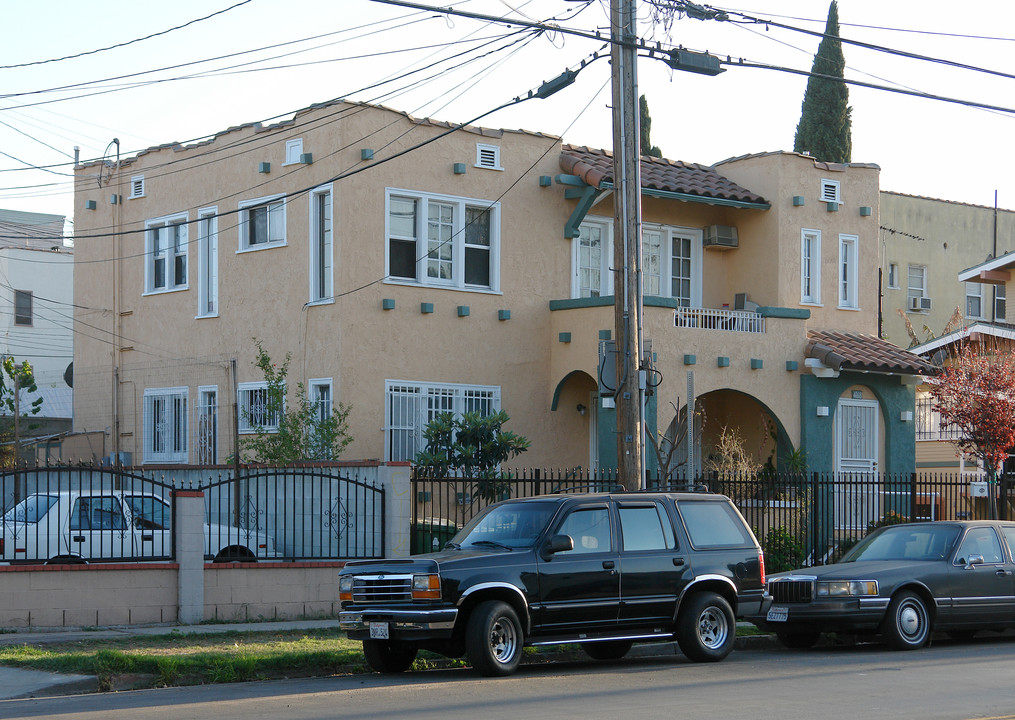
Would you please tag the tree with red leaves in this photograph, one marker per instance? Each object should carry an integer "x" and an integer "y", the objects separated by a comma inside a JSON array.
[{"x": 976, "y": 395}]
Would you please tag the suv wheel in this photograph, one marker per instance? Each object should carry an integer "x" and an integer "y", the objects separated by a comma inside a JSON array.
[
  {"x": 389, "y": 656},
  {"x": 494, "y": 638},
  {"x": 706, "y": 628}
]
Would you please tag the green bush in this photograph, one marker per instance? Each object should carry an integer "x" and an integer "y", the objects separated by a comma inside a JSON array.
[{"x": 782, "y": 551}]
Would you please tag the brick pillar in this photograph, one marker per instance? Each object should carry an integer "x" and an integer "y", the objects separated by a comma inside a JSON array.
[{"x": 189, "y": 523}]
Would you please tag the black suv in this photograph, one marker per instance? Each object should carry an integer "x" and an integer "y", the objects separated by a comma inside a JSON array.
[{"x": 604, "y": 570}]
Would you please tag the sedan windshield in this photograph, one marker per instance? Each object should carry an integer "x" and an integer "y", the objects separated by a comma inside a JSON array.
[
  {"x": 509, "y": 526},
  {"x": 906, "y": 542}
]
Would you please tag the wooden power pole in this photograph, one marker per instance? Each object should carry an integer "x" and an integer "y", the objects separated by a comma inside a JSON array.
[{"x": 627, "y": 290}]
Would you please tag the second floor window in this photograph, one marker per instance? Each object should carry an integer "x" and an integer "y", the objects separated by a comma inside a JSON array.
[
  {"x": 443, "y": 241},
  {"x": 974, "y": 300},
  {"x": 22, "y": 307},
  {"x": 166, "y": 248},
  {"x": 810, "y": 267},
  {"x": 916, "y": 287},
  {"x": 848, "y": 291},
  {"x": 262, "y": 223}
]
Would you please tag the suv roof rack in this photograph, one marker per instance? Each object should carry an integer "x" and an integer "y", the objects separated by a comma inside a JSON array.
[{"x": 593, "y": 487}]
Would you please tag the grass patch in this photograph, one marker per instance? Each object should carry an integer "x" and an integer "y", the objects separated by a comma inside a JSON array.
[{"x": 182, "y": 659}]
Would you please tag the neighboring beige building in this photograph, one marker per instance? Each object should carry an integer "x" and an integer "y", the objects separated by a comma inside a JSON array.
[
  {"x": 924, "y": 243},
  {"x": 410, "y": 267}
]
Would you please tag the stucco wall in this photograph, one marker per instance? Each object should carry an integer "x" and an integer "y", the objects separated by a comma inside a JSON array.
[{"x": 945, "y": 237}]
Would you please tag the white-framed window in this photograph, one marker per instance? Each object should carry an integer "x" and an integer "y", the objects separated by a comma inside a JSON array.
[
  {"x": 831, "y": 191},
  {"x": 136, "y": 187},
  {"x": 590, "y": 261},
  {"x": 321, "y": 245},
  {"x": 320, "y": 397},
  {"x": 262, "y": 223},
  {"x": 488, "y": 156},
  {"x": 255, "y": 413},
  {"x": 671, "y": 262},
  {"x": 166, "y": 248},
  {"x": 165, "y": 425},
  {"x": 442, "y": 241},
  {"x": 293, "y": 150},
  {"x": 848, "y": 269},
  {"x": 207, "y": 262},
  {"x": 893, "y": 276},
  {"x": 1000, "y": 302},
  {"x": 23, "y": 308},
  {"x": 916, "y": 284},
  {"x": 974, "y": 300},
  {"x": 206, "y": 430},
  {"x": 409, "y": 406},
  {"x": 810, "y": 267}
]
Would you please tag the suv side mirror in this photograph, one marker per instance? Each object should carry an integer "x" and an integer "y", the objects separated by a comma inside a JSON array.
[
  {"x": 556, "y": 544},
  {"x": 974, "y": 560}
]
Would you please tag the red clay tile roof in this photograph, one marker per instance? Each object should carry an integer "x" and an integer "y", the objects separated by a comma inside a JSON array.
[
  {"x": 856, "y": 351},
  {"x": 596, "y": 167}
]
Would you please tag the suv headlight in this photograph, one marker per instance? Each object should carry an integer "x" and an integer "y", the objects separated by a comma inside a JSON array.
[
  {"x": 426, "y": 587},
  {"x": 846, "y": 588},
  {"x": 345, "y": 583}
]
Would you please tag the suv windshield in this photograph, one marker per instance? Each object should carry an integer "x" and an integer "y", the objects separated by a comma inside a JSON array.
[
  {"x": 512, "y": 525},
  {"x": 906, "y": 542}
]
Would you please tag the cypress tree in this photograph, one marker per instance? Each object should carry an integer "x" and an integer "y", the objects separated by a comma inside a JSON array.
[
  {"x": 824, "y": 128},
  {"x": 647, "y": 148}
]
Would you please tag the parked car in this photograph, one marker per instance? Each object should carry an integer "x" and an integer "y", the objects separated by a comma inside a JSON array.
[
  {"x": 902, "y": 582},
  {"x": 73, "y": 526},
  {"x": 602, "y": 570}
]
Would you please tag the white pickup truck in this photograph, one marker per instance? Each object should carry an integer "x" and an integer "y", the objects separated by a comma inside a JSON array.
[{"x": 79, "y": 526}]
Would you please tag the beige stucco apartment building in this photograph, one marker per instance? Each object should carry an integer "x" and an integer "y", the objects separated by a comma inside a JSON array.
[{"x": 409, "y": 266}]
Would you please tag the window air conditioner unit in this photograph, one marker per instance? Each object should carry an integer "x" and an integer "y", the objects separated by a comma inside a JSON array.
[
  {"x": 919, "y": 303},
  {"x": 721, "y": 237}
]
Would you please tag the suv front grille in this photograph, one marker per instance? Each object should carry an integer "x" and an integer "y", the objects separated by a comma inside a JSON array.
[
  {"x": 791, "y": 591},
  {"x": 382, "y": 588}
]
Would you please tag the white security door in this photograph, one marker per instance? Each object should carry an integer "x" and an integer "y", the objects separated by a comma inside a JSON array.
[{"x": 856, "y": 454}]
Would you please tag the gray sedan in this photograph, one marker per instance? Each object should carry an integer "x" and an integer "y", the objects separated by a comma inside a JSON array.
[{"x": 902, "y": 582}]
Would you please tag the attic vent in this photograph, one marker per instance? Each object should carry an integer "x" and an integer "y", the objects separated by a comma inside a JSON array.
[
  {"x": 136, "y": 186},
  {"x": 830, "y": 191},
  {"x": 488, "y": 156}
]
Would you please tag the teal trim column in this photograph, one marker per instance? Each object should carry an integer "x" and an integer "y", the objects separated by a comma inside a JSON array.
[{"x": 817, "y": 434}]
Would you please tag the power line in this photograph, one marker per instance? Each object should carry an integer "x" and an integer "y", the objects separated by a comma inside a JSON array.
[{"x": 124, "y": 44}]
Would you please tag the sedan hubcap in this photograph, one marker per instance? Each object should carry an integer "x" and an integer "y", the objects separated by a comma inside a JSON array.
[{"x": 910, "y": 621}]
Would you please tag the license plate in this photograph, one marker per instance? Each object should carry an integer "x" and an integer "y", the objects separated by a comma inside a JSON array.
[
  {"x": 379, "y": 630},
  {"x": 778, "y": 614}
]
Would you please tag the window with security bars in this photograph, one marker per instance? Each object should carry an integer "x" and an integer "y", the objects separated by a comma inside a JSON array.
[
  {"x": 257, "y": 413},
  {"x": 165, "y": 425},
  {"x": 410, "y": 406},
  {"x": 206, "y": 435}
]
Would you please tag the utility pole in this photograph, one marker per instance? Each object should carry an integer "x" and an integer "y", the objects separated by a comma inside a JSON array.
[{"x": 627, "y": 285}]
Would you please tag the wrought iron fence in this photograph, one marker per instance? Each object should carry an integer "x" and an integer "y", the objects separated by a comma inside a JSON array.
[
  {"x": 91, "y": 514},
  {"x": 800, "y": 519}
]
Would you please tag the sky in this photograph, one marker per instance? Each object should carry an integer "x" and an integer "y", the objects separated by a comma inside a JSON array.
[{"x": 262, "y": 60}]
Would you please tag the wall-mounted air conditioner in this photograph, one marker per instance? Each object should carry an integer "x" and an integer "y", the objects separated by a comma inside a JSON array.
[
  {"x": 919, "y": 303},
  {"x": 720, "y": 237}
]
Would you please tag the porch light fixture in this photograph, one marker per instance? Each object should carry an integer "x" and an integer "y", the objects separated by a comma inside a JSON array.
[
  {"x": 580, "y": 409},
  {"x": 906, "y": 416}
]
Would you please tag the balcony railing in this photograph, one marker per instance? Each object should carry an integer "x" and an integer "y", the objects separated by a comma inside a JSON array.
[{"x": 712, "y": 319}]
